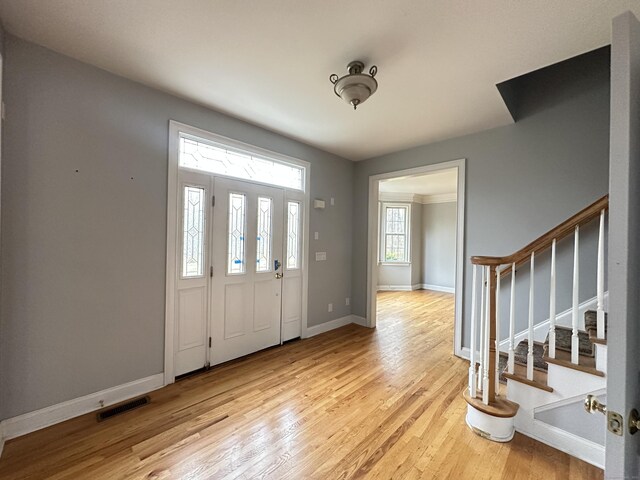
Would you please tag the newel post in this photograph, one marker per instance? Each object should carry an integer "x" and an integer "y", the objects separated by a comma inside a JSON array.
[{"x": 493, "y": 275}]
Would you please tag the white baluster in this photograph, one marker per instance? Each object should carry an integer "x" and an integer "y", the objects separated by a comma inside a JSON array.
[
  {"x": 600, "y": 281},
  {"x": 575, "y": 342},
  {"x": 497, "y": 331},
  {"x": 487, "y": 329},
  {"x": 552, "y": 303},
  {"x": 482, "y": 329},
  {"x": 472, "y": 363},
  {"x": 512, "y": 320},
  {"x": 530, "y": 334}
]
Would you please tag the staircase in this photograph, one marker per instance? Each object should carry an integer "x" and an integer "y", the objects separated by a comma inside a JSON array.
[{"x": 535, "y": 381}]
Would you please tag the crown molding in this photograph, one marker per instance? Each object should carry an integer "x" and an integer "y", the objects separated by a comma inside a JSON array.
[
  {"x": 400, "y": 197},
  {"x": 416, "y": 198},
  {"x": 440, "y": 198}
]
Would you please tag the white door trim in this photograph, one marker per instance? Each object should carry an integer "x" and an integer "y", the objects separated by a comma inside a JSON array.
[
  {"x": 373, "y": 241},
  {"x": 173, "y": 200}
]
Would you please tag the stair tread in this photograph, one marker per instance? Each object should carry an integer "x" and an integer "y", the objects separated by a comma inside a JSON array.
[
  {"x": 593, "y": 338},
  {"x": 520, "y": 375},
  {"x": 501, "y": 407},
  {"x": 586, "y": 364}
]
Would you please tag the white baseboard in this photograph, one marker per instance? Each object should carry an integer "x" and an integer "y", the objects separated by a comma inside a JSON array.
[
  {"x": 337, "y": 323},
  {"x": 438, "y": 288},
  {"x": 358, "y": 320},
  {"x": 416, "y": 286},
  {"x": 395, "y": 288},
  {"x": 1, "y": 438},
  {"x": 45, "y": 417}
]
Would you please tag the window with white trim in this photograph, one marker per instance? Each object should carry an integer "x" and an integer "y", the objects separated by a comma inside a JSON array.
[{"x": 394, "y": 233}]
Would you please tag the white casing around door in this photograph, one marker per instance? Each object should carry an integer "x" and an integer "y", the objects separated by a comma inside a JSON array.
[{"x": 246, "y": 303}]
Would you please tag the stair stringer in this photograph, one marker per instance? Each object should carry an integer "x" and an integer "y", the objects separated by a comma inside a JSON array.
[
  {"x": 564, "y": 441},
  {"x": 567, "y": 383}
]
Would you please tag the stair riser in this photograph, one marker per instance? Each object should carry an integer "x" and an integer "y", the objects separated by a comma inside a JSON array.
[
  {"x": 601, "y": 357},
  {"x": 529, "y": 397},
  {"x": 493, "y": 428},
  {"x": 568, "y": 382}
]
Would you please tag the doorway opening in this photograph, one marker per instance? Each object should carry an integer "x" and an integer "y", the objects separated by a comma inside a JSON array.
[
  {"x": 237, "y": 223},
  {"x": 416, "y": 242}
]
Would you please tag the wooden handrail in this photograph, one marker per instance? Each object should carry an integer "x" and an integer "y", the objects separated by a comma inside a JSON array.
[{"x": 544, "y": 241}]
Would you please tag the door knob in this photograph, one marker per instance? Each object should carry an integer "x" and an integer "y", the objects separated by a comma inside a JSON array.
[
  {"x": 279, "y": 276},
  {"x": 634, "y": 422},
  {"x": 592, "y": 405}
]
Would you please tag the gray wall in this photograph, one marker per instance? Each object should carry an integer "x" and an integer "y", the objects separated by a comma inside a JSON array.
[
  {"x": 416, "y": 243},
  {"x": 83, "y": 226},
  {"x": 521, "y": 180},
  {"x": 394, "y": 275},
  {"x": 439, "y": 244},
  {"x": 573, "y": 418},
  {"x": 2, "y": 367}
]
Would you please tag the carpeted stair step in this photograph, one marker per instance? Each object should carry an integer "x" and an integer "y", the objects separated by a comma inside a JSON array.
[
  {"x": 503, "y": 360},
  {"x": 586, "y": 358},
  {"x": 521, "y": 351},
  {"x": 563, "y": 342},
  {"x": 520, "y": 374},
  {"x": 520, "y": 366},
  {"x": 591, "y": 326}
]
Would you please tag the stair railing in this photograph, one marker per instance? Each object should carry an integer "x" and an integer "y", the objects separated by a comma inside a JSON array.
[{"x": 484, "y": 359}]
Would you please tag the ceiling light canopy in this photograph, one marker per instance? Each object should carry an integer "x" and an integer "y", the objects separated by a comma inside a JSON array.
[{"x": 355, "y": 87}]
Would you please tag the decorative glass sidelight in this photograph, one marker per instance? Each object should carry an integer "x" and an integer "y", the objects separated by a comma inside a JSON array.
[
  {"x": 193, "y": 232},
  {"x": 264, "y": 234},
  {"x": 293, "y": 235},
  {"x": 236, "y": 263}
]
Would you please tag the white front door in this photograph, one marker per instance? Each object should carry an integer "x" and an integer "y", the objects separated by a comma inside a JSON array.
[{"x": 247, "y": 258}]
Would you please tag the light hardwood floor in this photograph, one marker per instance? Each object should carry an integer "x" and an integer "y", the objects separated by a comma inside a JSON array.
[{"x": 350, "y": 403}]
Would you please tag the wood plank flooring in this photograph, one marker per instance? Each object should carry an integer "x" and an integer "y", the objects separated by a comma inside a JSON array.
[{"x": 350, "y": 403}]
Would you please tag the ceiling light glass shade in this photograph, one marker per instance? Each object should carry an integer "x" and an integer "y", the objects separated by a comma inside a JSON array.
[{"x": 355, "y": 87}]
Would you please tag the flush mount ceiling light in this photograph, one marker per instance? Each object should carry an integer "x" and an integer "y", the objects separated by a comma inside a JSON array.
[{"x": 355, "y": 87}]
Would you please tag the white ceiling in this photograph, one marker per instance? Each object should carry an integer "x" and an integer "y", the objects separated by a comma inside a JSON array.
[
  {"x": 268, "y": 61},
  {"x": 437, "y": 183}
]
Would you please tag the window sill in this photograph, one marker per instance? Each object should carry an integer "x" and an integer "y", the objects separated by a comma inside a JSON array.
[{"x": 395, "y": 264}]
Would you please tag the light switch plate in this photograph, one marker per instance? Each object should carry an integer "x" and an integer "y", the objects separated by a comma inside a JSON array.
[{"x": 321, "y": 256}]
